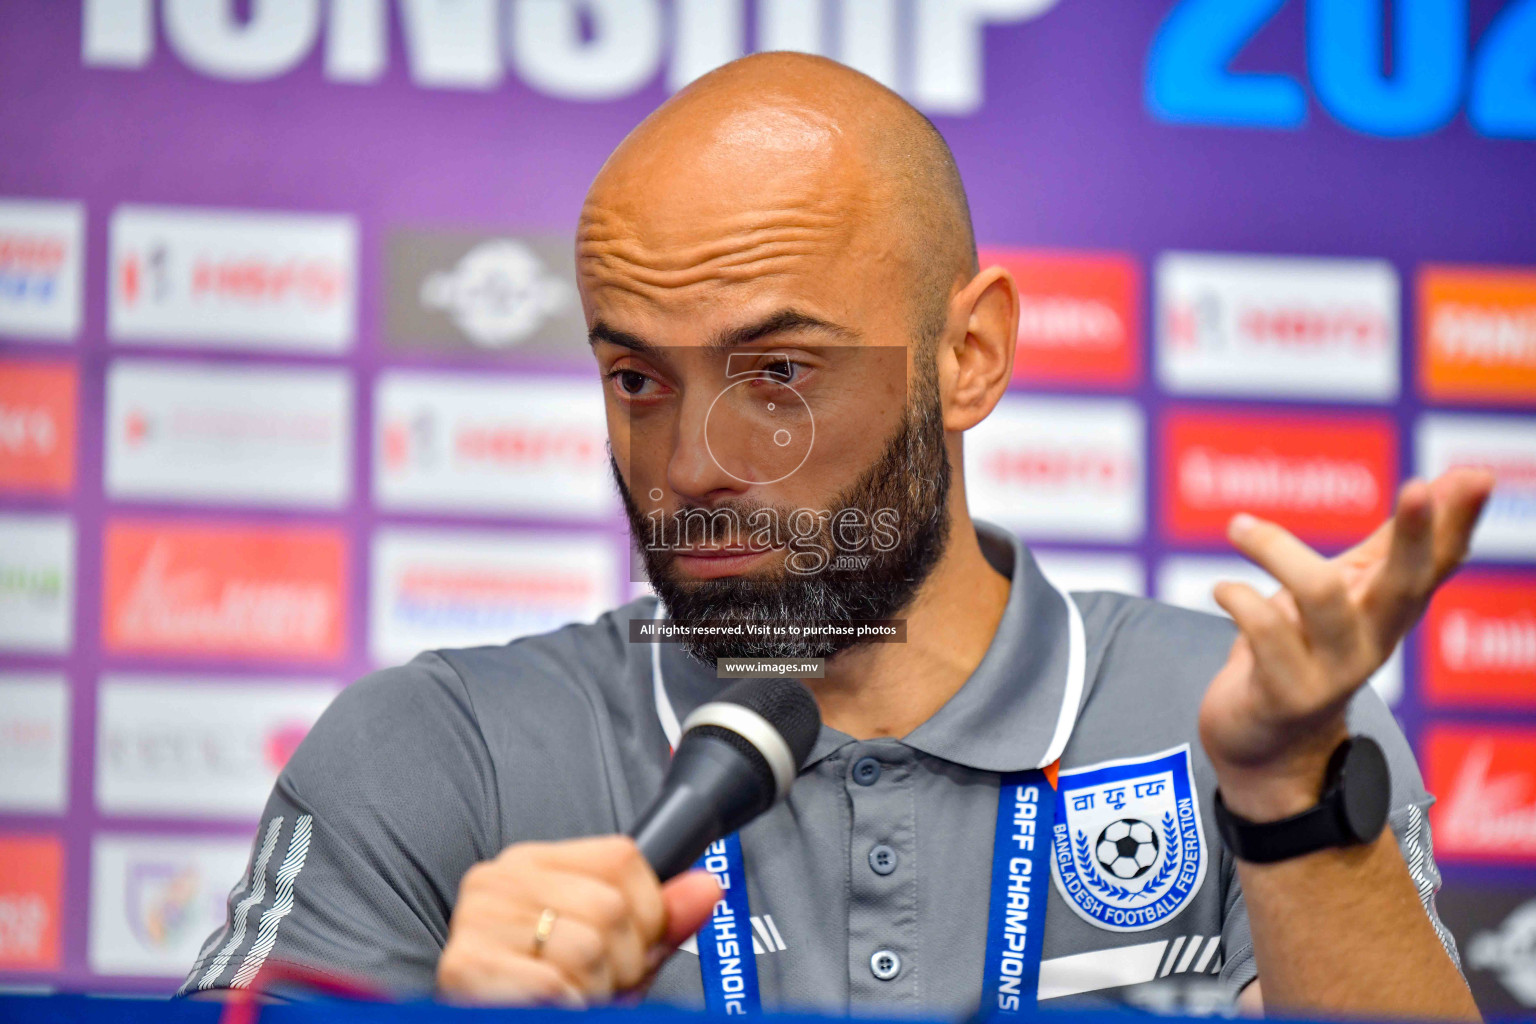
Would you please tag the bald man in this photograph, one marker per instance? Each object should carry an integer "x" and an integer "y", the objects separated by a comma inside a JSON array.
[{"x": 1020, "y": 802}]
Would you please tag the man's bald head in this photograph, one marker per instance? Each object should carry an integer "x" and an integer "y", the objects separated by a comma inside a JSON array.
[{"x": 768, "y": 146}]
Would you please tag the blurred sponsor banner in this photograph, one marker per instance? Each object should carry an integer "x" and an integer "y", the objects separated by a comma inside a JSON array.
[
  {"x": 1329, "y": 479},
  {"x": 37, "y": 426},
  {"x": 198, "y": 432},
  {"x": 1079, "y": 317},
  {"x": 1059, "y": 467},
  {"x": 221, "y": 589},
  {"x": 472, "y": 292},
  {"x": 233, "y": 279},
  {"x": 491, "y": 445},
  {"x": 155, "y": 899},
  {"x": 1190, "y": 581},
  {"x": 34, "y": 743},
  {"x": 1479, "y": 642},
  {"x": 1485, "y": 778},
  {"x": 1082, "y": 571},
  {"x": 193, "y": 747},
  {"x": 1477, "y": 334},
  {"x": 37, "y": 583},
  {"x": 1280, "y": 327},
  {"x": 465, "y": 588},
  {"x": 42, "y": 248},
  {"x": 1504, "y": 445},
  {"x": 1495, "y": 926},
  {"x": 31, "y": 902}
]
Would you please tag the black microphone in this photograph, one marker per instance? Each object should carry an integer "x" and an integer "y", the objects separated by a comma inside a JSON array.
[{"x": 738, "y": 755}]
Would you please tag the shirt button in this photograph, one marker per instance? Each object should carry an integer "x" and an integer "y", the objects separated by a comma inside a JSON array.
[
  {"x": 885, "y": 964},
  {"x": 866, "y": 771},
  {"x": 882, "y": 859}
]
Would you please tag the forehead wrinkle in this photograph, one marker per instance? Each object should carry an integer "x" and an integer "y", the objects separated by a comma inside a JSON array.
[
  {"x": 655, "y": 285},
  {"x": 630, "y": 256},
  {"x": 613, "y": 252}
]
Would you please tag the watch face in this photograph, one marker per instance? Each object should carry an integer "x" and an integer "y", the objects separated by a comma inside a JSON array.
[{"x": 1365, "y": 789}]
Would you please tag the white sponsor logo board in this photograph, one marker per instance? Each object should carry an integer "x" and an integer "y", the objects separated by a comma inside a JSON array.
[
  {"x": 155, "y": 900},
  {"x": 1506, "y": 445},
  {"x": 37, "y": 583},
  {"x": 34, "y": 743},
  {"x": 41, "y": 246},
  {"x": 233, "y": 279},
  {"x": 1086, "y": 571},
  {"x": 1059, "y": 467},
  {"x": 197, "y": 748},
  {"x": 1188, "y": 581},
  {"x": 471, "y": 443},
  {"x": 1277, "y": 326},
  {"x": 464, "y": 588},
  {"x": 248, "y": 434}
]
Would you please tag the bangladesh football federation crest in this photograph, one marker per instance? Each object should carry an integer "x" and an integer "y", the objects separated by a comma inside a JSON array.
[{"x": 1128, "y": 851}]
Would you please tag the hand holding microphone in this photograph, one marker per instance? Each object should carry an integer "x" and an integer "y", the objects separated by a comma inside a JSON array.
[{"x": 579, "y": 921}]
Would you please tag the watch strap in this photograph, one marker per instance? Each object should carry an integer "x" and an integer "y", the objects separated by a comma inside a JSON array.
[
  {"x": 1352, "y": 810},
  {"x": 1266, "y": 842}
]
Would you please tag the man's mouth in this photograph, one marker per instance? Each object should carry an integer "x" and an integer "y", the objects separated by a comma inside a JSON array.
[{"x": 709, "y": 563}]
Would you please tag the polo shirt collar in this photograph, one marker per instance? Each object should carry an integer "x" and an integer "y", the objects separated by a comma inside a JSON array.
[{"x": 1014, "y": 711}]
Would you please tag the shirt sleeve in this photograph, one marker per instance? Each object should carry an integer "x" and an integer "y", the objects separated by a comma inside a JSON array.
[
  {"x": 371, "y": 825},
  {"x": 1408, "y": 819}
]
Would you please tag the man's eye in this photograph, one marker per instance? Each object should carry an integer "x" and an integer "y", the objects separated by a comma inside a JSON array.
[
  {"x": 631, "y": 382},
  {"x": 782, "y": 370}
]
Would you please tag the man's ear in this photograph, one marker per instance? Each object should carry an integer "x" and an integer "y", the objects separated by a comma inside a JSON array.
[{"x": 976, "y": 364}]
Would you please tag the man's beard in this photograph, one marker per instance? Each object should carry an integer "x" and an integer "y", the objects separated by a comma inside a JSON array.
[{"x": 911, "y": 478}]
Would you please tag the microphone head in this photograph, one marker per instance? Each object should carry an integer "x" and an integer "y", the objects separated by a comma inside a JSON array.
[{"x": 773, "y": 722}]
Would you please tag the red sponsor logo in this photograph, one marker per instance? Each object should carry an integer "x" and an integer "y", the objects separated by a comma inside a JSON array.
[
  {"x": 250, "y": 280},
  {"x": 260, "y": 592},
  {"x": 1485, "y": 780},
  {"x": 1079, "y": 317},
  {"x": 501, "y": 445},
  {"x": 440, "y": 587},
  {"x": 1326, "y": 479},
  {"x": 1100, "y": 469},
  {"x": 1477, "y": 333},
  {"x": 1480, "y": 642},
  {"x": 1286, "y": 328},
  {"x": 23, "y": 254},
  {"x": 31, "y": 887},
  {"x": 37, "y": 427}
]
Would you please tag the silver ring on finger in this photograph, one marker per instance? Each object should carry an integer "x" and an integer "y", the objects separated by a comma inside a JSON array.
[{"x": 542, "y": 929}]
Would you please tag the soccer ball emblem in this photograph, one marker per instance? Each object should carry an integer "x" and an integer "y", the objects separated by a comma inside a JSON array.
[{"x": 1127, "y": 848}]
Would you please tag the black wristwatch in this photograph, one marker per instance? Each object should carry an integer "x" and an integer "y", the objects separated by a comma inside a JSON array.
[{"x": 1357, "y": 790}]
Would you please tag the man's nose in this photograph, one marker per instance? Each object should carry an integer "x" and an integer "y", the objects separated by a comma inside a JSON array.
[{"x": 694, "y": 472}]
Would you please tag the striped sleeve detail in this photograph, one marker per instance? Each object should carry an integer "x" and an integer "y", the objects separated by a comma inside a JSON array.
[
  {"x": 1418, "y": 851},
  {"x": 256, "y": 885},
  {"x": 282, "y": 904}
]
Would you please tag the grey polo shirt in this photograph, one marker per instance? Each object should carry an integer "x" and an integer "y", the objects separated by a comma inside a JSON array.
[{"x": 869, "y": 885}]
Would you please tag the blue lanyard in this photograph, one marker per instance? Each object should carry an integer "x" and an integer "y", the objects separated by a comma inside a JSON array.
[
  {"x": 726, "y": 961},
  {"x": 1026, "y": 811}
]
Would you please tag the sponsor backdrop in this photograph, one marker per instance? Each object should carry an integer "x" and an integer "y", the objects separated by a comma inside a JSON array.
[{"x": 293, "y": 381}]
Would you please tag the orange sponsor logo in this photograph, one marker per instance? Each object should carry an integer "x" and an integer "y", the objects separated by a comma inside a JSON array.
[
  {"x": 263, "y": 592},
  {"x": 1079, "y": 317},
  {"x": 31, "y": 888},
  {"x": 37, "y": 426},
  {"x": 1327, "y": 479},
  {"x": 1477, "y": 333},
  {"x": 1485, "y": 782},
  {"x": 1480, "y": 642}
]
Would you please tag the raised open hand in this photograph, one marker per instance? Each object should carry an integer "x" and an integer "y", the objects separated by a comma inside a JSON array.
[{"x": 1275, "y": 711}]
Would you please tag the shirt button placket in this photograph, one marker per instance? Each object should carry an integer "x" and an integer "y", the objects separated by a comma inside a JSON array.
[{"x": 882, "y": 906}]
